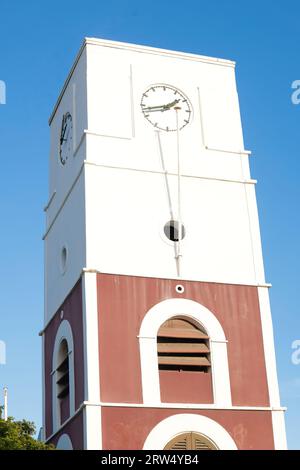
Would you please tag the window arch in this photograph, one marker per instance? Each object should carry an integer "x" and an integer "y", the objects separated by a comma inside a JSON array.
[
  {"x": 63, "y": 391},
  {"x": 64, "y": 443},
  {"x": 198, "y": 315},
  {"x": 171, "y": 427}
]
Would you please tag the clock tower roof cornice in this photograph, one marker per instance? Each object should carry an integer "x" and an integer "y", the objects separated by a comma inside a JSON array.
[
  {"x": 140, "y": 49},
  {"x": 158, "y": 51}
]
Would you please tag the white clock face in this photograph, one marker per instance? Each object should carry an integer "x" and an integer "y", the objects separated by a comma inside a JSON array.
[
  {"x": 66, "y": 138},
  {"x": 161, "y": 103}
]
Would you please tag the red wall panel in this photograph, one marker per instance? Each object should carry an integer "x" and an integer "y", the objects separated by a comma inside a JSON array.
[
  {"x": 64, "y": 409},
  {"x": 185, "y": 387},
  {"x": 124, "y": 300},
  {"x": 128, "y": 428},
  {"x": 74, "y": 429},
  {"x": 72, "y": 308}
]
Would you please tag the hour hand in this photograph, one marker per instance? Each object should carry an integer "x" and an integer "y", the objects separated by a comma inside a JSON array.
[{"x": 162, "y": 107}]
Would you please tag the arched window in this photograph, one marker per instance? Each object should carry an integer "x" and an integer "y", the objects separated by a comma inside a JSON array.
[
  {"x": 190, "y": 441},
  {"x": 182, "y": 346},
  {"x": 183, "y": 353},
  {"x": 174, "y": 432},
  {"x": 64, "y": 443},
  {"x": 63, "y": 385},
  {"x": 209, "y": 385},
  {"x": 63, "y": 381}
]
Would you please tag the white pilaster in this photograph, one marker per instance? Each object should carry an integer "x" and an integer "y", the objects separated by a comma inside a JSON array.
[
  {"x": 269, "y": 348},
  {"x": 280, "y": 442},
  {"x": 92, "y": 427},
  {"x": 92, "y": 415}
]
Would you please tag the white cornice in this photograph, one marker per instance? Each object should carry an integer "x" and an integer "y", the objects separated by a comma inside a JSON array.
[
  {"x": 139, "y": 49},
  {"x": 166, "y": 406},
  {"x": 158, "y": 51},
  {"x": 66, "y": 82},
  {"x": 189, "y": 406}
]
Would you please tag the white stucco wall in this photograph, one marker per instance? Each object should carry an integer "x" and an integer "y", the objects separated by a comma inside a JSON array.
[{"x": 110, "y": 211}]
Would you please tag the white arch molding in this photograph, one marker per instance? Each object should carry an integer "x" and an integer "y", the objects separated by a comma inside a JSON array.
[
  {"x": 64, "y": 332},
  {"x": 175, "y": 425},
  {"x": 64, "y": 443},
  {"x": 151, "y": 323}
]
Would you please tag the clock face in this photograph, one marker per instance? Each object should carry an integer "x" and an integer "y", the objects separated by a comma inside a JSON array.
[
  {"x": 66, "y": 138},
  {"x": 161, "y": 103}
]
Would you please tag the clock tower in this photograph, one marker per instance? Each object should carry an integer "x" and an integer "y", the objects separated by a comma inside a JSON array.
[{"x": 157, "y": 330}]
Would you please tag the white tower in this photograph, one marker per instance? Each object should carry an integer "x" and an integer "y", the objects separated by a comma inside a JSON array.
[{"x": 152, "y": 237}]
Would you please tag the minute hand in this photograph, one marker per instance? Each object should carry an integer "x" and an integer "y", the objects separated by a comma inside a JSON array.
[{"x": 163, "y": 107}]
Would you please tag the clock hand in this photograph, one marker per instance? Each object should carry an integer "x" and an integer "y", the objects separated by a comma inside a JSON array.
[
  {"x": 163, "y": 107},
  {"x": 63, "y": 134},
  {"x": 170, "y": 105},
  {"x": 154, "y": 108}
]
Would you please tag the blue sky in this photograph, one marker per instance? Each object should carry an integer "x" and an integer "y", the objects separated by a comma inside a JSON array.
[{"x": 38, "y": 42}]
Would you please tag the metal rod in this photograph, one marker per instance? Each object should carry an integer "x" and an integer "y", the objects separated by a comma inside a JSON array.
[
  {"x": 166, "y": 175},
  {"x": 172, "y": 217},
  {"x": 5, "y": 403},
  {"x": 177, "y": 108}
]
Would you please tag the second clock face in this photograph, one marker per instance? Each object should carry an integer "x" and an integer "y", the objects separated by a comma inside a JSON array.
[
  {"x": 66, "y": 138},
  {"x": 161, "y": 103}
]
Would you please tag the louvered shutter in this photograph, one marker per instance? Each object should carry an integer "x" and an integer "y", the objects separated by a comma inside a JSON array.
[
  {"x": 182, "y": 442},
  {"x": 182, "y": 346},
  {"x": 200, "y": 443},
  {"x": 62, "y": 371},
  {"x": 190, "y": 441}
]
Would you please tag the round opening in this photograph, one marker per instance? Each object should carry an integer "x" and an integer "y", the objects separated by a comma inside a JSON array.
[
  {"x": 172, "y": 230},
  {"x": 64, "y": 256},
  {"x": 179, "y": 289}
]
